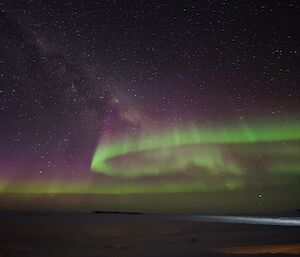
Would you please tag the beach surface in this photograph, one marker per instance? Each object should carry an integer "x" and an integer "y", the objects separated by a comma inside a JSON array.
[{"x": 138, "y": 235}]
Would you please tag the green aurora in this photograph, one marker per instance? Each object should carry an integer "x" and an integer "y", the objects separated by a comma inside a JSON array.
[
  {"x": 272, "y": 147},
  {"x": 67, "y": 187},
  {"x": 185, "y": 160}
]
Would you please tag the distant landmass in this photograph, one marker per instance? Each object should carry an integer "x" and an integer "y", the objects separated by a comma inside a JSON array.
[{"x": 116, "y": 212}]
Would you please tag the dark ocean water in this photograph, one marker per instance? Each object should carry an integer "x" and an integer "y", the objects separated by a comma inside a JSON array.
[{"x": 113, "y": 234}]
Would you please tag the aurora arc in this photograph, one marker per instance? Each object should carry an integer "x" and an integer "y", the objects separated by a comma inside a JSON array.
[
  {"x": 206, "y": 159},
  {"x": 71, "y": 187},
  {"x": 178, "y": 149}
]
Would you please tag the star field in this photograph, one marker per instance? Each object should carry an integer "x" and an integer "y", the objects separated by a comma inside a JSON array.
[{"x": 76, "y": 75}]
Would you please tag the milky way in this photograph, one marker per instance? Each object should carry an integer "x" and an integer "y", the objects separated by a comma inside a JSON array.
[{"x": 160, "y": 98}]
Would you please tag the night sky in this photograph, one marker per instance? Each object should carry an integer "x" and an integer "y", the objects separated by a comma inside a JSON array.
[{"x": 158, "y": 99}]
